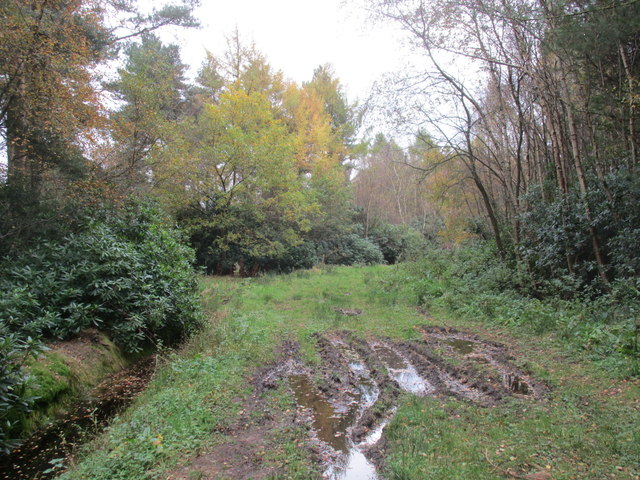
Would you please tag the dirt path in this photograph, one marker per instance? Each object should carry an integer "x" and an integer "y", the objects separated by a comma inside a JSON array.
[{"x": 346, "y": 401}]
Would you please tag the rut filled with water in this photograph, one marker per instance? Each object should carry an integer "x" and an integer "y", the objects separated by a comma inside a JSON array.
[{"x": 352, "y": 395}]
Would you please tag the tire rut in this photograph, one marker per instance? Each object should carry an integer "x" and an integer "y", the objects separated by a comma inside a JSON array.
[{"x": 445, "y": 362}]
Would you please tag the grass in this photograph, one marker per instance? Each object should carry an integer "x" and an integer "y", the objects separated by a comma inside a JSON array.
[
  {"x": 59, "y": 377},
  {"x": 589, "y": 428}
]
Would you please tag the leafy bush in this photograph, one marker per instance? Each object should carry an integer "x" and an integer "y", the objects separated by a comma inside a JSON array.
[
  {"x": 349, "y": 250},
  {"x": 398, "y": 242},
  {"x": 555, "y": 237},
  {"x": 13, "y": 401},
  {"x": 130, "y": 276}
]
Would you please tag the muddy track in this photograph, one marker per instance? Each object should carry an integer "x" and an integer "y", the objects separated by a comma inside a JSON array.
[
  {"x": 346, "y": 399},
  {"x": 490, "y": 359},
  {"x": 356, "y": 387}
]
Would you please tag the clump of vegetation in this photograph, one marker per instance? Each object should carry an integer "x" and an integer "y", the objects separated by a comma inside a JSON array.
[
  {"x": 127, "y": 274},
  {"x": 398, "y": 242},
  {"x": 130, "y": 276},
  {"x": 350, "y": 250},
  {"x": 474, "y": 283},
  {"x": 14, "y": 402}
]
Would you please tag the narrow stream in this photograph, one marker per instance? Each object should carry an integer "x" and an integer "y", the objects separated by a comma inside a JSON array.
[{"x": 43, "y": 455}]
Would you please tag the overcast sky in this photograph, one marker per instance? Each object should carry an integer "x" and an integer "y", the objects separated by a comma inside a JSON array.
[{"x": 296, "y": 36}]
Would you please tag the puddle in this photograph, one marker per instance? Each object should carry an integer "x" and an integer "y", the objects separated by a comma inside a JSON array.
[
  {"x": 333, "y": 427},
  {"x": 369, "y": 391},
  {"x": 350, "y": 426},
  {"x": 403, "y": 372},
  {"x": 329, "y": 424},
  {"x": 355, "y": 467},
  {"x": 461, "y": 346}
]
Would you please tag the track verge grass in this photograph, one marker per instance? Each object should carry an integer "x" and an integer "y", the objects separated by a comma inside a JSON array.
[{"x": 587, "y": 427}]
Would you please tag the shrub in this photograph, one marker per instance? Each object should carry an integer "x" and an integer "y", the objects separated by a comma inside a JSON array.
[
  {"x": 398, "y": 242},
  {"x": 349, "y": 250},
  {"x": 13, "y": 383},
  {"x": 130, "y": 276},
  {"x": 127, "y": 274}
]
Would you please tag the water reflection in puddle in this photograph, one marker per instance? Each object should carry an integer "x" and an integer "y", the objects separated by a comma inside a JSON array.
[
  {"x": 403, "y": 372},
  {"x": 332, "y": 427}
]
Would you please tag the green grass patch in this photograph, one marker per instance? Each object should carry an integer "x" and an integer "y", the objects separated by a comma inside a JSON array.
[{"x": 588, "y": 428}]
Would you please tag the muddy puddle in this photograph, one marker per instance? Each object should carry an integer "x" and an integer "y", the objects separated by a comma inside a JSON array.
[
  {"x": 333, "y": 426},
  {"x": 461, "y": 346},
  {"x": 359, "y": 381},
  {"x": 402, "y": 371},
  {"x": 44, "y": 454}
]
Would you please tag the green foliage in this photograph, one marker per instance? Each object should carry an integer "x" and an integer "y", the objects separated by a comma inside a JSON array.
[
  {"x": 349, "y": 250},
  {"x": 125, "y": 273},
  {"x": 555, "y": 238},
  {"x": 246, "y": 204},
  {"x": 151, "y": 88},
  {"x": 130, "y": 276},
  {"x": 14, "y": 402},
  {"x": 398, "y": 242}
]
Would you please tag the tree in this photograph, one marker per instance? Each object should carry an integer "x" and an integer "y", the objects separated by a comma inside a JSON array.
[
  {"x": 47, "y": 49},
  {"x": 530, "y": 105},
  {"x": 237, "y": 185},
  {"x": 152, "y": 90},
  {"x": 345, "y": 117},
  {"x": 48, "y": 53}
]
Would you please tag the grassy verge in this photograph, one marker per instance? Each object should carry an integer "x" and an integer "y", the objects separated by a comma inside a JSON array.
[{"x": 588, "y": 428}]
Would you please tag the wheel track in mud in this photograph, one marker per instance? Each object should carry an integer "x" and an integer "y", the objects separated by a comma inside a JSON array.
[
  {"x": 474, "y": 370},
  {"x": 334, "y": 388}
]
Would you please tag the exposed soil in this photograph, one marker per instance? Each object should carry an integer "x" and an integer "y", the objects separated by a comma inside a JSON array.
[
  {"x": 445, "y": 362},
  {"x": 249, "y": 439},
  {"x": 348, "y": 398},
  {"x": 490, "y": 360},
  {"x": 344, "y": 403}
]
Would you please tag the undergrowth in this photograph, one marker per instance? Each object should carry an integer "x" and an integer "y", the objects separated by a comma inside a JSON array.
[
  {"x": 126, "y": 273},
  {"x": 474, "y": 284}
]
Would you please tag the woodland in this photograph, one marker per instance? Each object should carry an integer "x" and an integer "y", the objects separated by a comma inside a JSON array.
[{"x": 506, "y": 185}]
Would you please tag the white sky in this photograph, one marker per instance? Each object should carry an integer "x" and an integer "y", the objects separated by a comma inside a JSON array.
[{"x": 296, "y": 36}]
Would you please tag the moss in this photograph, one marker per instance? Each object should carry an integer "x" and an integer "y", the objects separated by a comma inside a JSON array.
[
  {"x": 68, "y": 371},
  {"x": 49, "y": 377}
]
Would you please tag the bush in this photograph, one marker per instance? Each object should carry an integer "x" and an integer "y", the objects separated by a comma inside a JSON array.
[
  {"x": 130, "y": 276},
  {"x": 13, "y": 385},
  {"x": 398, "y": 242},
  {"x": 555, "y": 235},
  {"x": 349, "y": 250}
]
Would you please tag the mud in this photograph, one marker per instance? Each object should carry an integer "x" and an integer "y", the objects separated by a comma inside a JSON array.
[
  {"x": 353, "y": 394},
  {"x": 490, "y": 359}
]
